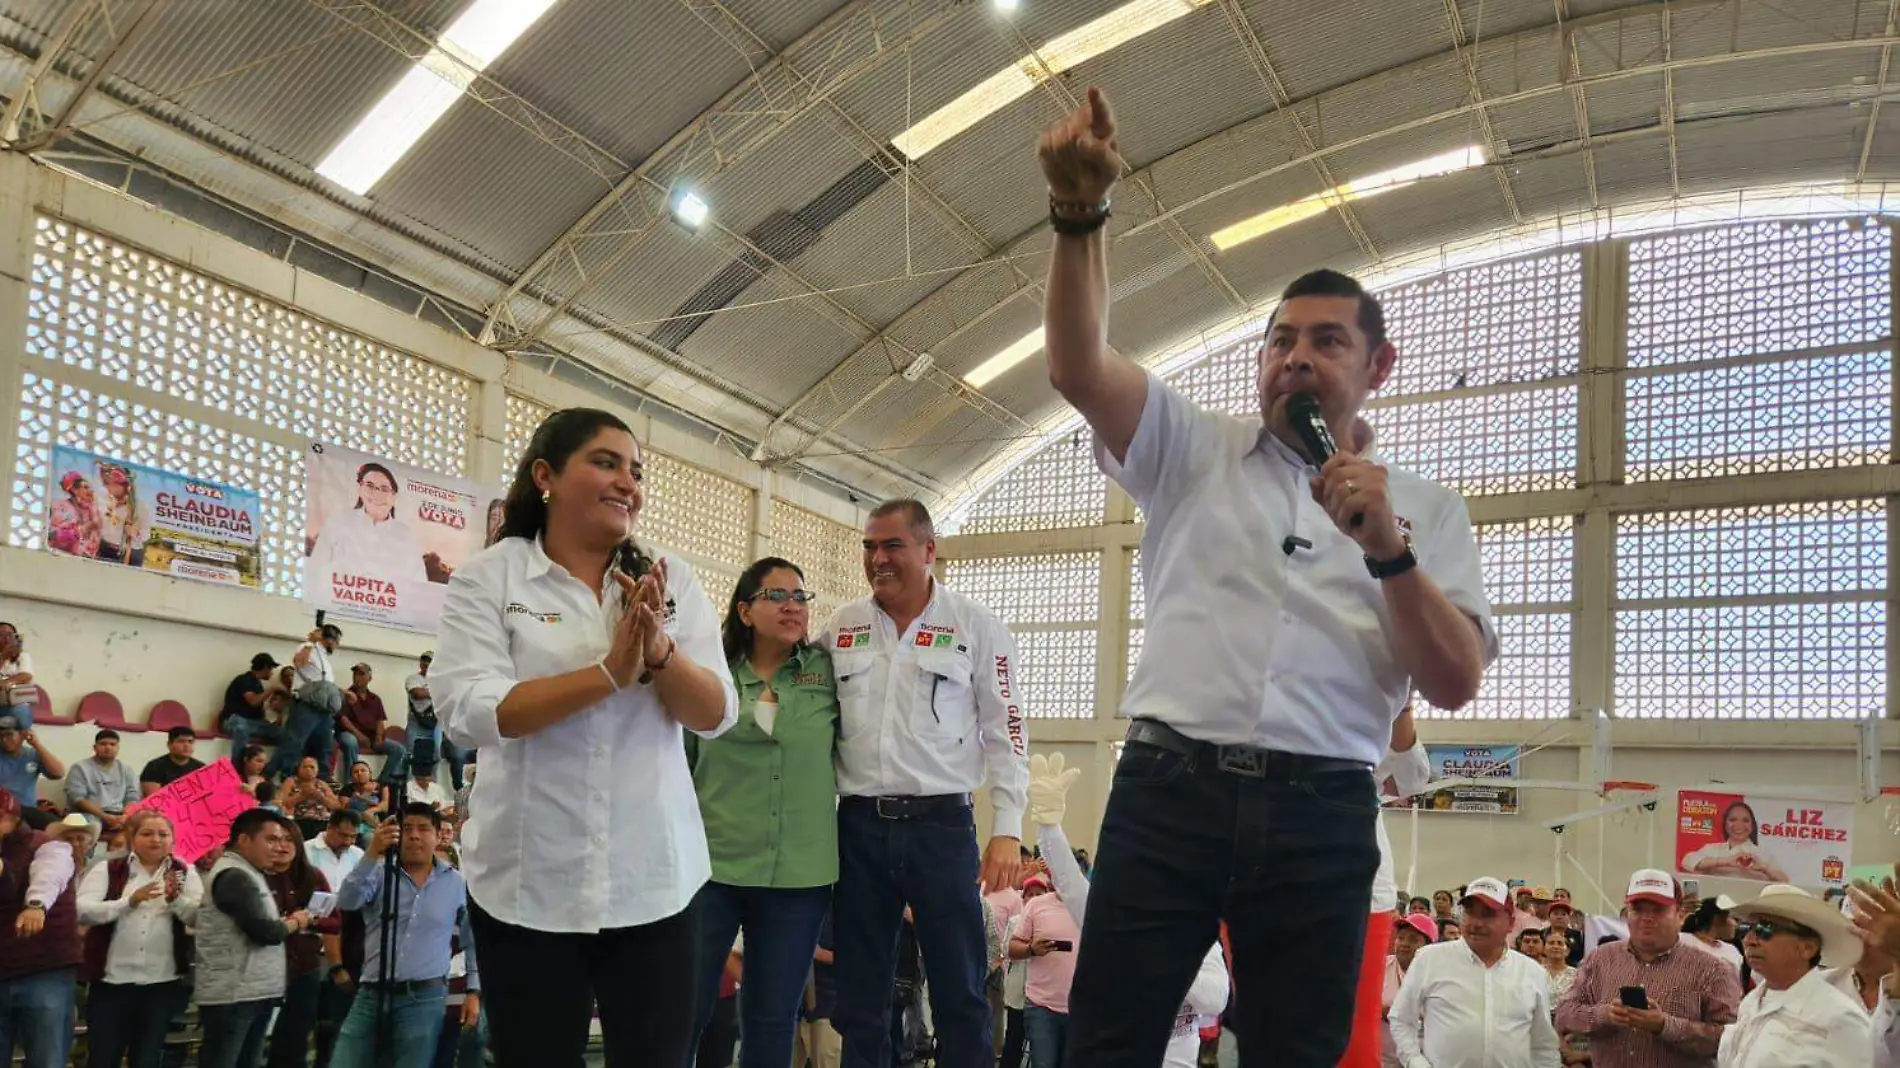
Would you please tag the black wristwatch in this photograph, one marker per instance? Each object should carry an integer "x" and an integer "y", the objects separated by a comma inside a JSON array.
[
  {"x": 36, "y": 905},
  {"x": 1398, "y": 565}
]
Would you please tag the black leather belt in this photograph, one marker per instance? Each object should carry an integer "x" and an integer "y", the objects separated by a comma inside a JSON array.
[
  {"x": 409, "y": 986},
  {"x": 911, "y": 808},
  {"x": 1250, "y": 760}
]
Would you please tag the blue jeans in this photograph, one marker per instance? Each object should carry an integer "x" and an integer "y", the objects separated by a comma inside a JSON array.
[
  {"x": 415, "y": 1025},
  {"x": 931, "y": 864},
  {"x": 1286, "y": 858},
  {"x": 124, "y": 1020},
  {"x": 23, "y": 714},
  {"x": 781, "y": 931},
  {"x": 1048, "y": 1034},
  {"x": 395, "y": 757},
  {"x": 245, "y": 732},
  {"x": 36, "y": 1014},
  {"x": 234, "y": 1033},
  {"x": 308, "y": 731}
]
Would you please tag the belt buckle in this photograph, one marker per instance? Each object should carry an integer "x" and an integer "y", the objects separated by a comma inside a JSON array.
[
  {"x": 1247, "y": 760},
  {"x": 883, "y": 815}
]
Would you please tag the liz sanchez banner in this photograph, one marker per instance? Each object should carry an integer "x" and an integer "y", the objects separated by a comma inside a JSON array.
[
  {"x": 1763, "y": 839},
  {"x": 124, "y": 513},
  {"x": 1471, "y": 762},
  {"x": 383, "y": 537}
]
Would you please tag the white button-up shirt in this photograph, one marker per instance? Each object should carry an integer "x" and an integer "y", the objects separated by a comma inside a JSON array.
[
  {"x": 1473, "y": 1016},
  {"x": 317, "y": 667},
  {"x": 929, "y": 711},
  {"x": 332, "y": 864},
  {"x": 418, "y": 681},
  {"x": 1249, "y": 645},
  {"x": 1887, "y": 1033},
  {"x": 141, "y": 950},
  {"x": 1809, "y": 1025},
  {"x": 591, "y": 823}
]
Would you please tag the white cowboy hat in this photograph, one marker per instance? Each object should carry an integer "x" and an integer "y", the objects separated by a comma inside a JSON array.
[{"x": 1840, "y": 946}]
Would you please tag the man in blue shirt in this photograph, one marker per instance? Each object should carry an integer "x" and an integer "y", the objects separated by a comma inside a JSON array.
[
  {"x": 24, "y": 761},
  {"x": 431, "y": 905}
]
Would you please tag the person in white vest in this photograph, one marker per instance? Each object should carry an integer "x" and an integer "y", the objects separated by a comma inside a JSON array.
[
  {"x": 241, "y": 971},
  {"x": 1794, "y": 1018}
]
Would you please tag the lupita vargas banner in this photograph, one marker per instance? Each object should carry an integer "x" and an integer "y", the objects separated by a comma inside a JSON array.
[
  {"x": 383, "y": 537},
  {"x": 1471, "y": 762},
  {"x": 1763, "y": 839},
  {"x": 124, "y": 513}
]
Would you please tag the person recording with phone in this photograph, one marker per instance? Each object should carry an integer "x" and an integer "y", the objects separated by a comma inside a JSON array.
[
  {"x": 574, "y": 660},
  {"x": 137, "y": 951},
  {"x": 1475, "y": 1003},
  {"x": 1652, "y": 1000},
  {"x": 1046, "y": 936},
  {"x": 1298, "y": 589}
]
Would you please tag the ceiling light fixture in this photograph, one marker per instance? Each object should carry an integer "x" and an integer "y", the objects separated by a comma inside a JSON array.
[
  {"x": 1372, "y": 185},
  {"x": 1059, "y": 55},
  {"x": 690, "y": 210},
  {"x": 1008, "y": 5},
  {"x": 991, "y": 369},
  {"x": 427, "y": 90}
]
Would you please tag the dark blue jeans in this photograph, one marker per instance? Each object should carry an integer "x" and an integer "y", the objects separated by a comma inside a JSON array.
[
  {"x": 308, "y": 731},
  {"x": 1287, "y": 859},
  {"x": 290, "y": 1038},
  {"x": 781, "y": 931},
  {"x": 930, "y": 864},
  {"x": 1048, "y": 1033},
  {"x": 36, "y": 1014},
  {"x": 234, "y": 1034}
]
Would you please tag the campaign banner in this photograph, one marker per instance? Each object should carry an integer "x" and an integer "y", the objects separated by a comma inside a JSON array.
[
  {"x": 1471, "y": 762},
  {"x": 119, "y": 512},
  {"x": 201, "y": 806},
  {"x": 382, "y": 538},
  {"x": 1763, "y": 839}
]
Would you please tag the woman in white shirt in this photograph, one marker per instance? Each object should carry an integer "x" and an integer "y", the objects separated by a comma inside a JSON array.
[
  {"x": 573, "y": 660},
  {"x": 1738, "y": 855},
  {"x": 136, "y": 908},
  {"x": 369, "y": 539},
  {"x": 16, "y": 670},
  {"x": 1556, "y": 962}
]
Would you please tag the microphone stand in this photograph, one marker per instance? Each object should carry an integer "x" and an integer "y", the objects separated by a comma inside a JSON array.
[{"x": 385, "y": 1041}]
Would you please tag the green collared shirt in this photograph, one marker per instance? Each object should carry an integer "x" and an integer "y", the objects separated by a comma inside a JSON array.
[{"x": 770, "y": 801}]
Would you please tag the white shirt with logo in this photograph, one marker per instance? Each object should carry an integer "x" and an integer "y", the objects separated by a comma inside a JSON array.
[
  {"x": 1245, "y": 643},
  {"x": 932, "y": 710},
  {"x": 1454, "y": 1012},
  {"x": 591, "y": 823}
]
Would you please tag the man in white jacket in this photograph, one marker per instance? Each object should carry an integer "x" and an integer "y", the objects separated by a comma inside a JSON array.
[
  {"x": 1474, "y": 1003},
  {"x": 1049, "y": 784}
]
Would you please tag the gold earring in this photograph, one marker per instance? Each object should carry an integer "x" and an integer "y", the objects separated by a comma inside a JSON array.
[{"x": 546, "y": 496}]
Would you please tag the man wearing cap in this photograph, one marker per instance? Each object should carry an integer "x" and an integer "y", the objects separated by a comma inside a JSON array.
[
  {"x": 1410, "y": 934},
  {"x": 24, "y": 761},
  {"x": 1047, "y": 937},
  {"x": 39, "y": 942},
  {"x": 103, "y": 787},
  {"x": 242, "y": 716},
  {"x": 162, "y": 771},
  {"x": 1691, "y": 995},
  {"x": 1561, "y": 911},
  {"x": 1474, "y": 1003},
  {"x": 1794, "y": 1017},
  {"x": 427, "y": 745}
]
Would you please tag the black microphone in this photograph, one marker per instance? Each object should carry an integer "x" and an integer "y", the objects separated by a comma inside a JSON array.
[
  {"x": 1302, "y": 410},
  {"x": 1292, "y": 542}
]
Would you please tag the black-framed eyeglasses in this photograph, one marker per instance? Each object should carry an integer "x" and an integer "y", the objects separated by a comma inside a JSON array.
[
  {"x": 1763, "y": 930},
  {"x": 781, "y": 596}
]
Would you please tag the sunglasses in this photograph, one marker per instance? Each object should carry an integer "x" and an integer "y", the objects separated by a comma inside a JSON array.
[
  {"x": 781, "y": 596},
  {"x": 1763, "y": 930}
]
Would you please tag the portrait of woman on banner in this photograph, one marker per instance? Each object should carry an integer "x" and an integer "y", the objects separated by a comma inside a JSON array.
[
  {"x": 370, "y": 539},
  {"x": 123, "y": 522},
  {"x": 73, "y": 524},
  {"x": 1739, "y": 855}
]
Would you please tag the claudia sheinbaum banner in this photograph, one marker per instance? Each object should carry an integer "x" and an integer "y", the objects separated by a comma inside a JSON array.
[{"x": 118, "y": 512}]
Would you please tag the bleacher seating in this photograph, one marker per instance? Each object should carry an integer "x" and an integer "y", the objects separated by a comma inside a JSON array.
[
  {"x": 396, "y": 734},
  {"x": 103, "y": 709},
  {"x": 168, "y": 714},
  {"x": 43, "y": 711}
]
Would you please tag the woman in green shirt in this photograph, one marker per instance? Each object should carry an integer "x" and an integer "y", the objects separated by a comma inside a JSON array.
[{"x": 769, "y": 799}]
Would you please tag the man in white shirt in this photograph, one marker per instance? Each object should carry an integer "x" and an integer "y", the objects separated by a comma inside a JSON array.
[
  {"x": 427, "y": 743},
  {"x": 335, "y": 852},
  {"x": 310, "y": 729},
  {"x": 929, "y": 709},
  {"x": 1473, "y": 1003},
  {"x": 1293, "y": 603}
]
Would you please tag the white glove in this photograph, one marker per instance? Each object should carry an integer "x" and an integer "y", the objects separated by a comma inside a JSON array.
[{"x": 1049, "y": 789}]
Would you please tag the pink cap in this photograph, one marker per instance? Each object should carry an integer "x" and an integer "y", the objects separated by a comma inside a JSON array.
[{"x": 1421, "y": 923}]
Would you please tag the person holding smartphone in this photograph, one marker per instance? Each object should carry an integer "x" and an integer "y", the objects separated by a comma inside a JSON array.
[
  {"x": 1046, "y": 938},
  {"x": 1651, "y": 1001},
  {"x": 137, "y": 950}
]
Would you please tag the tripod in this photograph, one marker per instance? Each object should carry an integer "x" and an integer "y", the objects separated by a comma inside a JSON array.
[{"x": 385, "y": 1042}]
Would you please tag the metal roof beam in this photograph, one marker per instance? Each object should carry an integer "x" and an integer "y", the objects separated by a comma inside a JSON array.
[
  {"x": 26, "y": 126},
  {"x": 1880, "y": 90},
  {"x": 1494, "y": 145},
  {"x": 1579, "y": 101}
]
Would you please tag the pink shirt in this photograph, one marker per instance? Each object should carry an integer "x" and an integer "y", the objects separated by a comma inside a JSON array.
[{"x": 1050, "y": 975}]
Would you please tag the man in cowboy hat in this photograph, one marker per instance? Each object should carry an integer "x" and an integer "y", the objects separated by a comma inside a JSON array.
[{"x": 1795, "y": 1016}]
